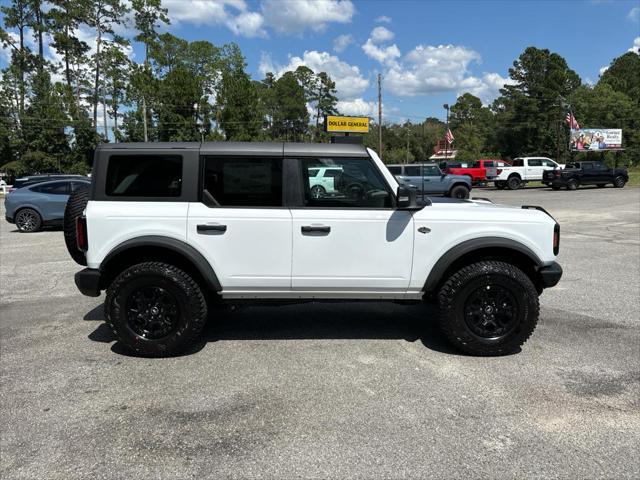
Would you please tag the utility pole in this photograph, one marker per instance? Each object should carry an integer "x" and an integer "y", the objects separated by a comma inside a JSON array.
[
  {"x": 380, "y": 115},
  {"x": 407, "y": 155},
  {"x": 446, "y": 134}
]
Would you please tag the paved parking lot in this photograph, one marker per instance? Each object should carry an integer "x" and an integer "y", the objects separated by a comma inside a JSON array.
[{"x": 331, "y": 391}]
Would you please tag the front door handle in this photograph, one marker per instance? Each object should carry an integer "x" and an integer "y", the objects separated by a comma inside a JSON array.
[
  {"x": 315, "y": 230},
  {"x": 211, "y": 229}
]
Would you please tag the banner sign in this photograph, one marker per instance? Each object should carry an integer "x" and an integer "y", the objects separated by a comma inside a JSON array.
[
  {"x": 596, "y": 139},
  {"x": 334, "y": 124}
]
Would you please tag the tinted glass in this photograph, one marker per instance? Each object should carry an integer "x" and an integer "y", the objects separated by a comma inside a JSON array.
[
  {"x": 313, "y": 172},
  {"x": 144, "y": 176},
  {"x": 56, "y": 188},
  {"x": 431, "y": 171},
  {"x": 76, "y": 185},
  {"x": 517, "y": 163},
  {"x": 245, "y": 182},
  {"x": 358, "y": 185},
  {"x": 334, "y": 172},
  {"x": 395, "y": 170},
  {"x": 587, "y": 166},
  {"x": 548, "y": 163},
  {"x": 489, "y": 164},
  {"x": 475, "y": 165},
  {"x": 413, "y": 171},
  {"x": 535, "y": 163}
]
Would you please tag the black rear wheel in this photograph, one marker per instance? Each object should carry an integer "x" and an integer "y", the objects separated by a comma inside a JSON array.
[
  {"x": 28, "y": 220},
  {"x": 572, "y": 184},
  {"x": 155, "y": 309},
  {"x": 514, "y": 182},
  {"x": 488, "y": 308}
]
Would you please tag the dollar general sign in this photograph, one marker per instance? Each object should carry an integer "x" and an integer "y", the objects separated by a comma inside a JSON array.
[{"x": 335, "y": 124}]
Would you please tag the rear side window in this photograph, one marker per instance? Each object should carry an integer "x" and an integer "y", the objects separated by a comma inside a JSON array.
[
  {"x": 144, "y": 176},
  {"x": 56, "y": 188},
  {"x": 489, "y": 164},
  {"x": 412, "y": 171},
  {"x": 518, "y": 162},
  {"x": 244, "y": 182},
  {"x": 395, "y": 170}
]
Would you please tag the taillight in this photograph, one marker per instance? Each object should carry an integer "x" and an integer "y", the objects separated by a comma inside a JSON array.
[
  {"x": 556, "y": 239},
  {"x": 82, "y": 242},
  {"x": 498, "y": 171}
]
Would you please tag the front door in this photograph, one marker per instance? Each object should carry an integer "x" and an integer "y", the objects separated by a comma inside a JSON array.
[
  {"x": 352, "y": 240},
  {"x": 241, "y": 225}
]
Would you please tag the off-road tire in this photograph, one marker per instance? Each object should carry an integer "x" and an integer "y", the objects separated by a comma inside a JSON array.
[
  {"x": 572, "y": 184},
  {"x": 619, "y": 181},
  {"x": 514, "y": 182},
  {"x": 460, "y": 192},
  {"x": 28, "y": 220},
  {"x": 500, "y": 185},
  {"x": 74, "y": 208},
  {"x": 458, "y": 289},
  {"x": 192, "y": 308}
]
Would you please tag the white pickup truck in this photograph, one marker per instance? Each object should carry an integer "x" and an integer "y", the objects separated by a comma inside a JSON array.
[{"x": 523, "y": 170}]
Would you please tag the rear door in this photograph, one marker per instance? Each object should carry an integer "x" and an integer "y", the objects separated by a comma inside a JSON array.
[
  {"x": 534, "y": 169},
  {"x": 54, "y": 196},
  {"x": 241, "y": 224},
  {"x": 353, "y": 241}
]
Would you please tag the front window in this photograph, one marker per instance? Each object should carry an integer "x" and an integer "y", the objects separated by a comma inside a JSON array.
[
  {"x": 431, "y": 171},
  {"x": 535, "y": 163},
  {"x": 357, "y": 184}
]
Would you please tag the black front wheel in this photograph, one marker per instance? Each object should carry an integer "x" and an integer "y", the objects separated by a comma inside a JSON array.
[
  {"x": 28, "y": 220},
  {"x": 488, "y": 308},
  {"x": 619, "y": 181},
  {"x": 459, "y": 191},
  {"x": 572, "y": 184},
  {"x": 155, "y": 309},
  {"x": 514, "y": 183}
]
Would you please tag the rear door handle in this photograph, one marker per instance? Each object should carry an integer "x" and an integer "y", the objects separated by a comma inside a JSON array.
[
  {"x": 315, "y": 230},
  {"x": 209, "y": 229}
]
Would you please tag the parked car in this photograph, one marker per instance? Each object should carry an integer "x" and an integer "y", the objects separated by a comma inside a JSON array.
[
  {"x": 322, "y": 180},
  {"x": 428, "y": 179},
  {"x": 479, "y": 171},
  {"x": 523, "y": 170},
  {"x": 41, "y": 204},
  {"x": 243, "y": 227},
  {"x": 45, "y": 177},
  {"x": 586, "y": 173}
]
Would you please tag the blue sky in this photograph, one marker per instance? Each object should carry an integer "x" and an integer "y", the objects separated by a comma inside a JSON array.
[{"x": 428, "y": 52}]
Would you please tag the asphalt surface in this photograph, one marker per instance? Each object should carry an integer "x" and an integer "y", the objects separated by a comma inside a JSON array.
[{"x": 355, "y": 390}]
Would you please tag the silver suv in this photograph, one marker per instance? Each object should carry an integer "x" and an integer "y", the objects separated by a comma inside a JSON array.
[{"x": 428, "y": 179}]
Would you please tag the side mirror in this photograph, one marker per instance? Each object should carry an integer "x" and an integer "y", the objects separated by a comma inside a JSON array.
[{"x": 407, "y": 198}]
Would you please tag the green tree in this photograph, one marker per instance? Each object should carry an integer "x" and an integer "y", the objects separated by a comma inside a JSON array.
[
  {"x": 528, "y": 112},
  {"x": 290, "y": 114}
]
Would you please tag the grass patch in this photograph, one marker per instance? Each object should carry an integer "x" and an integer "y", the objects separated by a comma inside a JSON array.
[{"x": 634, "y": 176}]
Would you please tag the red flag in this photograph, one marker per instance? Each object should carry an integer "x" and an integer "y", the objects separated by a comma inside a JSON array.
[
  {"x": 571, "y": 121},
  {"x": 449, "y": 136}
]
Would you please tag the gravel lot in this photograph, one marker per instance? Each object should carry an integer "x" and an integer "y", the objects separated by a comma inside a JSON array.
[{"x": 331, "y": 391}]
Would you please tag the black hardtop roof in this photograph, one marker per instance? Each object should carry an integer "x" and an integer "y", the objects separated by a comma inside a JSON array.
[{"x": 249, "y": 148}]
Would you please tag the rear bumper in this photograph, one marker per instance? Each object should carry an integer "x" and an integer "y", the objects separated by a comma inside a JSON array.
[
  {"x": 88, "y": 282},
  {"x": 550, "y": 275}
]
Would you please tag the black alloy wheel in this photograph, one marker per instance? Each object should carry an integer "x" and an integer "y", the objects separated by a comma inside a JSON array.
[
  {"x": 152, "y": 312},
  {"x": 619, "y": 181},
  {"x": 514, "y": 183},
  {"x": 491, "y": 311},
  {"x": 28, "y": 220}
]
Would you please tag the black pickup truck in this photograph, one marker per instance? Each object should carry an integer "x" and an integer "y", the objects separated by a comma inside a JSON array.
[{"x": 585, "y": 173}]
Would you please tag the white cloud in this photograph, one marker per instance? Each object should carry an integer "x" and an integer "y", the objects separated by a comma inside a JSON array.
[
  {"x": 381, "y": 35},
  {"x": 636, "y": 46},
  {"x": 358, "y": 107},
  {"x": 341, "y": 42},
  {"x": 373, "y": 48},
  {"x": 634, "y": 14},
  {"x": 383, "y": 19},
  {"x": 234, "y": 14},
  {"x": 5, "y": 51},
  {"x": 294, "y": 16},
  {"x": 603, "y": 69},
  {"x": 427, "y": 69},
  {"x": 487, "y": 88},
  {"x": 349, "y": 81}
]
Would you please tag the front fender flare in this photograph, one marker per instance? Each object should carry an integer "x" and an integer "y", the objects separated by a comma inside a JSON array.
[{"x": 454, "y": 253}]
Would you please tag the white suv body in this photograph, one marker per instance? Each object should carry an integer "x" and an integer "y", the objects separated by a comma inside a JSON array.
[
  {"x": 523, "y": 170},
  {"x": 242, "y": 216}
]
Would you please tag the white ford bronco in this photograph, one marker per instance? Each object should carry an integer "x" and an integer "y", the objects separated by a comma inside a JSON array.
[{"x": 171, "y": 230}]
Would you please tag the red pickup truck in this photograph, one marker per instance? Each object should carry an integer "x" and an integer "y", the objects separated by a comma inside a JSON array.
[{"x": 479, "y": 170}]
